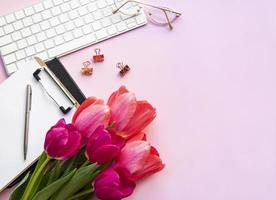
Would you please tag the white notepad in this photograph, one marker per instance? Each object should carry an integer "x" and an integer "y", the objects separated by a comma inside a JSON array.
[{"x": 44, "y": 114}]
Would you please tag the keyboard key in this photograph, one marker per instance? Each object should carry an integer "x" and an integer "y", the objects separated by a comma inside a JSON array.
[
  {"x": 16, "y": 36},
  {"x": 39, "y": 47},
  {"x": 101, "y": 34},
  {"x": 2, "y": 21},
  {"x": 60, "y": 29},
  {"x": 57, "y": 2},
  {"x": 43, "y": 55},
  {"x": 31, "y": 40},
  {"x": 29, "y": 11},
  {"x": 87, "y": 29},
  {"x": 49, "y": 43},
  {"x": 22, "y": 43},
  {"x": 79, "y": 22},
  {"x": 115, "y": 18},
  {"x": 41, "y": 37},
  {"x": 69, "y": 26},
  {"x": 77, "y": 33},
  {"x": 20, "y": 54},
  {"x": 56, "y": 11},
  {"x": 101, "y": 3},
  {"x": 46, "y": 14},
  {"x": 84, "y": 2},
  {"x": 50, "y": 33},
  {"x": 30, "y": 51},
  {"x": 65, "y": 8},
  {"x": 10, "y": 18},
  {"x": 20, "y": 14},
  {"x": 5, "y": 40},
  {"x": 73, "y": 14},
  {"x": 140, "y": 19},
  {"x": 20, "y": 63},
  {"x": 64, "y": 18},
  {"x": 68, "y": 36},
  {"x": 54, "y": 21},
  {"x": 11, "y": 68},
  {"x": 96, "y": 25},
  {"x": 98, "y": 15},
  {"x": 82, "y": 11},
  {"x": 131, "y": 25},
  {"x": 9, "y": 59},
  {"x": 88, "y": 18},
  {"x": 107, "y": 11},
  {"x": 121, "y": 26},
  {"x": 58, "y": 40},
  {"x": 74, "y": 4},
  {"x": 45, "y": 25},
  {"x": 26, "y": 32},
  {"x": 69, "y": 46},
  {"x": 9, "y": 49},
  {"x": 106, "y": 22},
  {"x": 8, "y": 29},
  {"x": 37, "y": 18},
  {"x": 38, "y": 7},
  {"x": 35, "y": 28},
  {"x": 92, "y": 7},
  {"x": 111, "y": 30},
  {"x": 27, "y": 21},
  {"x": 48, "y": 4},
  {"x": 2, "y": 32},
  {"x": 18, "y": 25}
]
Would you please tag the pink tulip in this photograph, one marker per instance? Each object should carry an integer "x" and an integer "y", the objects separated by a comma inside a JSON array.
[
  {"x": 103, "y": 147},
  {"x": 113, "y": 184},
  {"x": 130, "y": 116},
  {"x": 90, "y": 115},
  {"x": 62, "y": 141},
  {"x": 140, "y": 159}
]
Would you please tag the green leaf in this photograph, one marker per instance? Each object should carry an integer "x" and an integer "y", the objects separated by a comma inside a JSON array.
[
  {"x": 36, "y": 178},
  {"x": 54, "y": 173},
  {"x": 82, "y": 177},
  {"x": 48, "y": 191},
  {"x": 20, "y": 188},
  {"x": 74, "y": 162}
]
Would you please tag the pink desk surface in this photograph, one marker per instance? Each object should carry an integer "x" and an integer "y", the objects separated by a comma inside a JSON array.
[{"x": 213, "y": 82}]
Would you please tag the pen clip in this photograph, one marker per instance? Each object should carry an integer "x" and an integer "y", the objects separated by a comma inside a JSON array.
[{"x": 31, "y": 95}]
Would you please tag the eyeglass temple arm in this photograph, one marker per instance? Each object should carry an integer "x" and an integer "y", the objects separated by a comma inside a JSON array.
[{"x": 146, "y": 4}]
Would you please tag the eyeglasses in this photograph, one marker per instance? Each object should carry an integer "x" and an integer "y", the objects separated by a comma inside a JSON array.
[{"x": 158, "y": 15}]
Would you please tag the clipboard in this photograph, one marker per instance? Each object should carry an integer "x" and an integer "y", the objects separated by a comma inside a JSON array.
[{"x": 44, "y": 115}]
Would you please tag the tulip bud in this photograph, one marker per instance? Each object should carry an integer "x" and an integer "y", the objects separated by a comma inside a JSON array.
[{"x": 62, "y": 141}]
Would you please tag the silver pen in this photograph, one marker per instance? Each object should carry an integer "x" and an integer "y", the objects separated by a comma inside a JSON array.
[{"x": 27, "y": 118}]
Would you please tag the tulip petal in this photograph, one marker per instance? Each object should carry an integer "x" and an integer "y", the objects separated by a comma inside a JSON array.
[
  {"x": 105, "y": 153},
  {"x": 92, "y": 117},
  {"x": 117, "y": 93},
  {"x": 84, "y": 105},
  {"x": 142, "y": 117},
  {"x": 122, "y": 110}
]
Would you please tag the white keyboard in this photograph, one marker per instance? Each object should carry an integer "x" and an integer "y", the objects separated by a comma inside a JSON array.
[{"x": 54, "y": 28}]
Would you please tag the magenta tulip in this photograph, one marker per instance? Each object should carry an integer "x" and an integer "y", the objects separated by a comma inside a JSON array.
[
  {"x": 128, "y": 115},
  {"x": 90, "y": 115},
  {"x": 113, "y": 184},
  {"x": 103, "y": 146},
  {"x": 62, "y": 141}
]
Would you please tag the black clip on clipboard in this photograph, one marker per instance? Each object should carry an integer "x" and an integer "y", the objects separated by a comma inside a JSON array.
[{"x": 56, "y": 67}]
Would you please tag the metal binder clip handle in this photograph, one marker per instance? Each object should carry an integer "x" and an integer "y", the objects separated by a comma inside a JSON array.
[{"x": 63, "y": 110}]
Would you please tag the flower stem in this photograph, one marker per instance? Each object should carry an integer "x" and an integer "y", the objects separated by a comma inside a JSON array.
[
  {"x": 28, "y": 192},
  {"x": 85, "y": 164},
  {"x": 83, "y": 193}
]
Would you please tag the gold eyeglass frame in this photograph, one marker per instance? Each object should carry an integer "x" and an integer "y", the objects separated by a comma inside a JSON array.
[{"x": 163, "y": 9}]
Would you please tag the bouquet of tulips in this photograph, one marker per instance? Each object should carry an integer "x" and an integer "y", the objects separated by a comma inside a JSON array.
[{"x": 102, "y": 152}]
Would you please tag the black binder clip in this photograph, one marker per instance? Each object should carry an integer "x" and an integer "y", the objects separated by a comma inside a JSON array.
[{"x": 60, "y": 85}]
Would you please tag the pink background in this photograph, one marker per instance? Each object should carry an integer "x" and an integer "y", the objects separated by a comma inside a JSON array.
[{"x": 212, "y": 80}]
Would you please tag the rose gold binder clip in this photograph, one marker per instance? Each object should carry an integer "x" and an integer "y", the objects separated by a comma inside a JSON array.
[
  {"x": 87, "y": 68},
  {"x": 123, "y": 68},
  {"x": 98, "y": 57}
]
